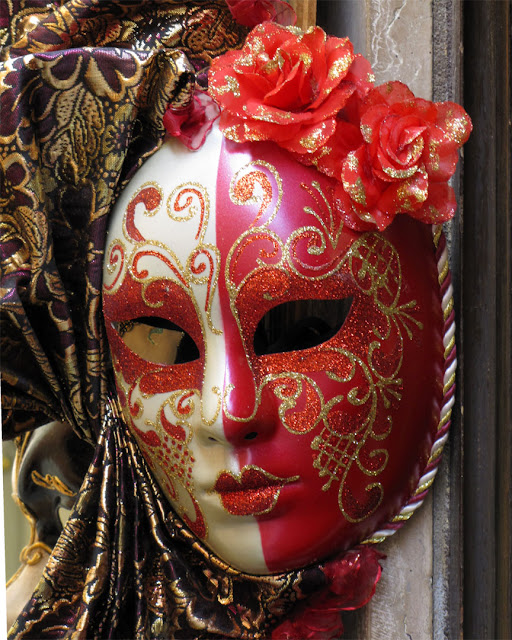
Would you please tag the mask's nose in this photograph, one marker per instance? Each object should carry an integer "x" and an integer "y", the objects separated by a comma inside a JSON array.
[{"x": 246, "y": 413}]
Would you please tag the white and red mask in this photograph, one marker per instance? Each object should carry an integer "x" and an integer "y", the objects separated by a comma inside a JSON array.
[{"x": 281, "y": 373}]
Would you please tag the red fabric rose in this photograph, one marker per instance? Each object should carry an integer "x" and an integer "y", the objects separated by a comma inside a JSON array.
[
  {"x": 313, "y": 625},
  {"x": 287, "y": 86},
  {"x": 351, "y": 580},
  {"x": 407, "y": 154},
  {"x": 353, "y": 577},
  {"x": 193, "y": 123},
  {"x": 249, "y": 13}
]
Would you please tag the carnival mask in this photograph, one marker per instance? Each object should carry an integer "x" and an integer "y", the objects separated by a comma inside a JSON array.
[{"x": 281, "y": 373}]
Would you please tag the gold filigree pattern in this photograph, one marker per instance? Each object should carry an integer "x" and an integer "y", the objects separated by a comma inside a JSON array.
[
  {"x": 164, "y": 432},
  {"x": 429, "y": 472},
  {"x": 370, "y": 388}
]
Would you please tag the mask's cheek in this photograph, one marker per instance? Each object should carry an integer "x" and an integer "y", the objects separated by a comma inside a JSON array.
[
  {"x": 162, "y": 417},
  {"x": 160, "y": 402},
  {"x": 357, "y": 414}
]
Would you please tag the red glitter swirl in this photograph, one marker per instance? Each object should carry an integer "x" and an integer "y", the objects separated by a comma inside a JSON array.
[
  {"x": 178, "y": 208},
  {"x": 151, "y": 198},
  {"x": 244, "y": 190},
  {"x": 156, "y": 254}
]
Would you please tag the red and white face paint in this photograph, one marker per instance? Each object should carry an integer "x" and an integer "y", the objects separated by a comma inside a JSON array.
[{"x": 278, "y": 442}]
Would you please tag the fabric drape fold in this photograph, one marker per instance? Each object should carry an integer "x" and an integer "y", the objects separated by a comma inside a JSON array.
[
  {"x": 67, "y": 125},
  {"x": 126, "y": 567}
]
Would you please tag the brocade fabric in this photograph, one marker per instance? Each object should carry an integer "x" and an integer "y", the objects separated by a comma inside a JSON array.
[
  {"x": 83, "y": 89},
  {"x": 126, "y": 567}
]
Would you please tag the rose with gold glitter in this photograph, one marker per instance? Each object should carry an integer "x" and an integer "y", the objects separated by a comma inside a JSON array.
[
  {"x": 287, "y": 86},
  {"x": 408, "y": 152}
]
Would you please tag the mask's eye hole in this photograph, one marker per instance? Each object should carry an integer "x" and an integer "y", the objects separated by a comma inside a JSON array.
[
  {"x": 300, "y": 324},
  {"x": 157, "y": 340}
]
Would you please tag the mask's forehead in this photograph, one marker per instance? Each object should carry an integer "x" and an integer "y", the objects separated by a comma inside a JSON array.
[
  {"x": 217, "y": 215},
  {"x": 274, "y": 210},
  {"x": 170, "y": 203}
]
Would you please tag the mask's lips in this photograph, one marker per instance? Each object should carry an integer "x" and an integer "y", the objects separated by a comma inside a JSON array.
[{"x": 253, "y": 491}]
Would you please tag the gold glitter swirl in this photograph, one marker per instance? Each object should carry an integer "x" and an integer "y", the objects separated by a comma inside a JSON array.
[
  {"x": 340, "y": 67},
  {"x": 399, "y": 174},
  {"x": 457, "y": 128},
  {"x": 367, "y": 131},
  {"x": 314, "y": 140}
]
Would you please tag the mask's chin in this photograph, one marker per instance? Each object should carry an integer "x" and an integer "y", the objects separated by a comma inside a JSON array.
[{"x": 238, "y": 544}]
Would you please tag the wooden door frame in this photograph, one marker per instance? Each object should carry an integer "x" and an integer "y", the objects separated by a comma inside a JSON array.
[
  {"x": 447, "y": 534},
  {"x": 487, "y": 322}
]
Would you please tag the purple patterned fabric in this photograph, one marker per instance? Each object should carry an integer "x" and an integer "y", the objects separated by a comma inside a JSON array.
[{"x": 86, "y": 87}]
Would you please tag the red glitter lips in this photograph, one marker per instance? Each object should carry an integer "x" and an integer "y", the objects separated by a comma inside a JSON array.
[{"x": 253, "y": 492}]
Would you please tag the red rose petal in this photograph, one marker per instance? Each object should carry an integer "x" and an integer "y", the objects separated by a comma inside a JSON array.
[
  {"x": 405, "y": 196},
  {"x": 359, "y": 180},
  {"x": 440, "y": 155},
  {"x": 249, "y": 13},
  {"x": 361, "y": 74},
  {"x": 388, "y": 93},
  {"x": 311, "y": 138},
  {"x": 292, "y": 93},
  {"x": 454, "y": 121},
  {"x": 329, "y": 158},
  {"x": 357, "y": 217},
  {"x": 440, "y": 205}
]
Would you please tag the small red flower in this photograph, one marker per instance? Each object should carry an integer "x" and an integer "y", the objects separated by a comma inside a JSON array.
[
  {"x": 249, "y": 13},
  {"x": 313, "y": 625},
  {"x": 350, "y": 583},
  {"x": 407, "y": 154},
  {"x": 353, "y": 577},
  {"x": 287, "y": 86},
  {"x": 193, "y": 123}
]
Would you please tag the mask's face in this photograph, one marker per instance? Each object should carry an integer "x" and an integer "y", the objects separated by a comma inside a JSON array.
[{"x": 281, "y": 374}]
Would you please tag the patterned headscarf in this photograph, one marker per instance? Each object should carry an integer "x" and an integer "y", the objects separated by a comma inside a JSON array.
[{"x": 83, "y": 91}]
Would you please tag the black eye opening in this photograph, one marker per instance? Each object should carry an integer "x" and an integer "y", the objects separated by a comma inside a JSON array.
[
  {"x": 155, "y": 339},
  {"x": 300, "y": 324}
]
